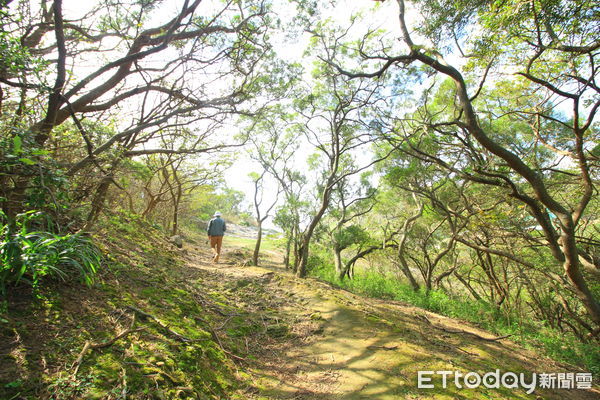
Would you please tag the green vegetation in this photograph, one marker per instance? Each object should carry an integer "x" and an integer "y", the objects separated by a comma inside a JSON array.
[
  {"x": 557, "y": 345},
  {"x": 171, "y": 354},
  {"x": 269, "y": 244},
  {"x": 31, "y": 256}
]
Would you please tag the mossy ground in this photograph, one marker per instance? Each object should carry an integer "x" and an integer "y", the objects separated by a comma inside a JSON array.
[{"x": 42, "y": 333}]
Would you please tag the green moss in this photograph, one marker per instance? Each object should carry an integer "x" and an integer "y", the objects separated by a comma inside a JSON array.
[
  {"x": 140, "y": 271},
  {"x": 241, "y": 326},
  {"x": 278, "y": 330}
]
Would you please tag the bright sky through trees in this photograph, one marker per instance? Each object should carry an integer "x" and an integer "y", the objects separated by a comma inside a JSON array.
[{"x": 293, "y": 48}]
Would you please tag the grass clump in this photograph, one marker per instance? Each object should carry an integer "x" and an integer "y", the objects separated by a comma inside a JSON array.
[{"x": 28, "y": 256}]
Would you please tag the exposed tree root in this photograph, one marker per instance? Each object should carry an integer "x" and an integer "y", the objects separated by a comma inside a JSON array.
[
  {"x": 164, "y": 326},
  {"x": 460, "y": 331},
  {"x": 136, "y": 311},
  {"x": 217, "y": 340},
  {"x": 382, "y": 347},
  {"x": 94, "y": 346}
]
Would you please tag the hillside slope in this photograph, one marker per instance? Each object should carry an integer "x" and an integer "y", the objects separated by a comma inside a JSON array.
[
  {"x": 164, "y": 323},
  {"x": 148, "y": 321},
  {"x": 338, "y": 345}
]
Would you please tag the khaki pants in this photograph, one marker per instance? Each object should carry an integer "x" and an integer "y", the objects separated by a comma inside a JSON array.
[{"x": 215, "y": 244}]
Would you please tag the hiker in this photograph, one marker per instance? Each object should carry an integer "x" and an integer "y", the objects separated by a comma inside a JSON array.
[{"x": 216, "y": 229}]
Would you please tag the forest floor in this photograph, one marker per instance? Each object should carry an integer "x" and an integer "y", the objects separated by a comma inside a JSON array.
[
  {"x": 166, "y": 323},
  {"x": 338, "y": 345}
]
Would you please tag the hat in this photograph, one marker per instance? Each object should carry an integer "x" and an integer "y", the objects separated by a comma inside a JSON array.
[{"x": 217, "y": 214}]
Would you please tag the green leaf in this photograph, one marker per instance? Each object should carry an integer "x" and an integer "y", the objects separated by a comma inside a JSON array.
[
  {"x": 17, "y": 144},
  {"x": 27, "y": 161},
  {"x": 14, "y": 384}
]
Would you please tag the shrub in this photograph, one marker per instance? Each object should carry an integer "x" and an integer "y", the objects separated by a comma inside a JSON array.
[
  {"x": 319, "y": 261},
  {"x": 28, "y": 256}
]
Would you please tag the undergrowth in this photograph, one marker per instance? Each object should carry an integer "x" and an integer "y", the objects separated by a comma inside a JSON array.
[{"x": 30, "y": 256}]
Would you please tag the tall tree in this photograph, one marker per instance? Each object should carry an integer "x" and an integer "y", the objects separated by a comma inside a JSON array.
[
  {"x": 338, "y": 131},
  {"x": 350, "y": 201},
  {"x": 553, "y": 47},
  {"x": 275, "y": 145},
  {"x": 142, "y": 68},
  {"x": 258, "y": 200}
]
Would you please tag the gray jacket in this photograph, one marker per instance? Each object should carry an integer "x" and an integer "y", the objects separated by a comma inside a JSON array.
[{"x": 216, "y": 227}]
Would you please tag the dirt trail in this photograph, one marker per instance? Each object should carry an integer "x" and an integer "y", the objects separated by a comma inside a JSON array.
[{"x": 343, "y": 346}]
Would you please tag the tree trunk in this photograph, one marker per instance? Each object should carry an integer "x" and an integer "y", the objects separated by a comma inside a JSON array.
[
  {"x": 176, "y": 200},
  {"x": 303, "y": 254},
  {"x": 175, "y": 217},
  {"x": 257, "y": 245},
  {"x": 428, "y": 283},
  {"x": 98, "y": 202},
  {"x": 401, "y": 243},
  {"x": 339, "y": 268},
  {"x": 406, "y": 271},
  {"x": 297, "y": 251},
  {"x": 571, "y": 267},
  {"x": 286, "y": 257},
  {"x": 301, "y": 273},
  {"x": 15, "y": 197},
  {"x": 151, "y": 205},
  {"x": 467, "y": 285},
  {"x": 349, "y": 266}
]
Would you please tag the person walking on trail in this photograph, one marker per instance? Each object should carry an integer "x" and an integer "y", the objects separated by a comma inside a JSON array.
[{"x": 216, "y": 229}]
